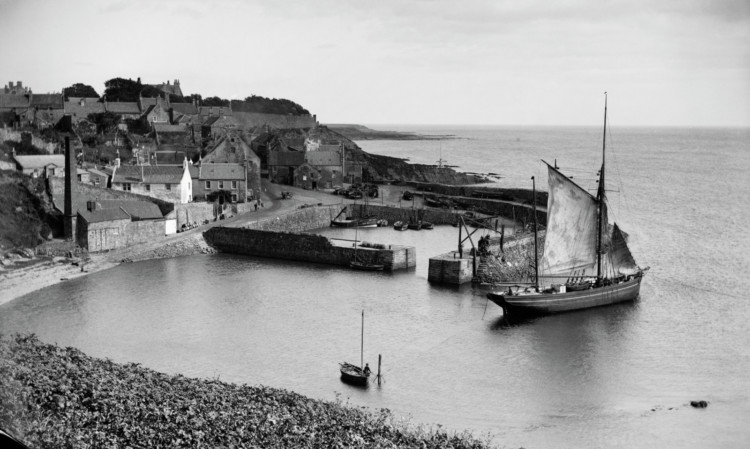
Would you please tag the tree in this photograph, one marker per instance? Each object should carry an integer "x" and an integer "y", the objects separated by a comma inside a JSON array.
[
  {"x": 105, "y": 122},
  {"x": 121, "y": 89},
  {"x": 80, "y": 90},
  {"x": 214, "y": 101}
]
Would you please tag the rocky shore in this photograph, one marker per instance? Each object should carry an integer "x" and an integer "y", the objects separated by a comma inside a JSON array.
[{"x": 52, "y": 397}]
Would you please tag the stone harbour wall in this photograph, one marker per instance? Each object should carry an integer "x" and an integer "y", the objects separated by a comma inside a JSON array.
[{"x": 304, "y": 247}]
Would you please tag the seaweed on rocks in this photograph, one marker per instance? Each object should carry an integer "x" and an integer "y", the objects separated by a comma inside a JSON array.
[{"x": 53, "y": 397}]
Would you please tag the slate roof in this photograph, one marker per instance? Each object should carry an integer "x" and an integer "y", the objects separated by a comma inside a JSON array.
[
  {"x": 120, "y": 210},
  {"x": 44, "y": 101},
  {"x": 233, "y": 172},
  {"x": 167, "y": 128},
  {"x": 40, "y": 161},
  {"x": 90, "y": 106},
  {"x": 14, "y": 101},
  {"x": 122, "y": 107},
  {"x": 185, "y": 108},
  {"x": 148, "y": 174}
]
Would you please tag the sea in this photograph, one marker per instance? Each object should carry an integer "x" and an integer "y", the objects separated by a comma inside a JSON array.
[{"x": 620, "y": 376}]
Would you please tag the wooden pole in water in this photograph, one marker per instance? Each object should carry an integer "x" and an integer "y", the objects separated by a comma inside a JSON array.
[{"x": 380, "y": 358}]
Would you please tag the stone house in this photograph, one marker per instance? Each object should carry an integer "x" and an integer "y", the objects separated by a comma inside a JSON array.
[
  {"x": 48, "y": 165},
  {"x": 155, "y": 110},
  {"x": 111, "y": 224},
  {"x": 166, "y": 182},
  {"x": 13, "y": 109},
  {"x": 79, "y": 108},
  {"x": 213, "y": 177},
  {"x": 233, "y": 149},
  {"x": 217, "y": 127},
  {"x": 126, "y": 109},
  {"x": 97, "y": 177},
  {"x": 45, "y": 109},
  {"x": 282, "y": 165}
]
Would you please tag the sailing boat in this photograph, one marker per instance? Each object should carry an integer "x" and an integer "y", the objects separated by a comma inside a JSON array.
[
  {"x": 354, "y": 374},
  {"x": 584, "y": 264},
  {"x": 360, "y": 265}
]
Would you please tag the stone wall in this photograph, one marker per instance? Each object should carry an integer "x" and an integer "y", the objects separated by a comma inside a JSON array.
[
  {"x": 304, "y": 247},
  {"x": 16, "y": 136},
  {"x": 278, "y": 121},
  {"x": 108, "y": 235},
  {"x": 450, "y": 269},
  {"x": 299, "y": 220}
]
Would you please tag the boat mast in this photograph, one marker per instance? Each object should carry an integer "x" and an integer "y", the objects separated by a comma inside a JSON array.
[
  {"x": 600, "y": 198},
  {"x": 536, "y": 253},
  {"x": 362, "y": 342}
]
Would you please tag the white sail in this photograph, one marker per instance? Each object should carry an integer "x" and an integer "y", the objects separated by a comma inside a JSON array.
[{"x": 570, "y": 242}]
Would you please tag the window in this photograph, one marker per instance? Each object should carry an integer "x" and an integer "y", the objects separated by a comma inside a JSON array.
[
  {"x": 126, "y": 186},
  {"x": 148, "y": 187},
  {"x": 221, "y": 185},
  {"x": 168, "y": 186},
  {"x": 208, "y": 184},
  {"x": 234, "y": 197},
  {"x": 234, "y": 185},
  {"x": 96, "y": 180}
]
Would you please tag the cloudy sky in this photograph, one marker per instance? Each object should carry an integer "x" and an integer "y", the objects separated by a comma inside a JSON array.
[{"x": 519, "y": 62}]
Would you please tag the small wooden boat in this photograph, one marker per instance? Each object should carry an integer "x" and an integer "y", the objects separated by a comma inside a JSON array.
[
  {"x": 367, "y": 222},
  {"x": 415, "y": 225},
  {"x": 365, "y": 266},
  {"x": 426, "y": 225},
  {"x": 353, "y": 374},
  {"x": 400, "y": 226}
]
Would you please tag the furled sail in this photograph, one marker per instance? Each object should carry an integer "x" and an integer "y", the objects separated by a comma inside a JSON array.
[
  {"x": 571, "y": 236},
  {"x": 619, "y": 260}
]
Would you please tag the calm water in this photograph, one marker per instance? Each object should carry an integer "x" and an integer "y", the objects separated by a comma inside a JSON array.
[{"x": 618, "y": 376}]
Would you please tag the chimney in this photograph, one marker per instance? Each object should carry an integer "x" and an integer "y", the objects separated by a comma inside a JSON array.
[
  {"x": 69, "y": 223},
  {"x": 93, "y": 206},
  {"x": 20, "y": 85}
]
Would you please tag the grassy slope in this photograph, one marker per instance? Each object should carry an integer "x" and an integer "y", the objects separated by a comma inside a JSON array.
[
  {"x": 54, "y": 397},
  {"x": 22, "y": 211}
]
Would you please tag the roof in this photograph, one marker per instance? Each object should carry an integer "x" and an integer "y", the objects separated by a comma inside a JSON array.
[
  {"x": 90, "y": 106},
  {"x": 119, "y": 210},
  {"x": 209, "y": 172},
  {"x": 148, "y": 174},
  {"x": 122, "y": 107},
  {"x": 185, "y": 108},
  {"x": 210, "y": 121},
  {"x": 40, "y": 161},
  {"x": 14, "y": 101},
  {"x": 147, "y": 101},
  {"x": 167, "y": 128},
  {"x": 54, "y": 101}
]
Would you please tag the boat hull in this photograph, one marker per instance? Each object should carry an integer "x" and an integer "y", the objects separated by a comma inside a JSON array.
[
  {"x": 353, "y": 374},
  {"x": 550, "y": 303},
  {"x": 362, "y": 266},
  {"x": 356, "y": 223}
]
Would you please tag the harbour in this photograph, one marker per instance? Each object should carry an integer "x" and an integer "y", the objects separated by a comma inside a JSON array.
[{"x": 622, "y": 374}]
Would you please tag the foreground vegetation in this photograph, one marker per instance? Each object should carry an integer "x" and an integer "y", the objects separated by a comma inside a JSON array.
[{"x": 53, "y": 397}]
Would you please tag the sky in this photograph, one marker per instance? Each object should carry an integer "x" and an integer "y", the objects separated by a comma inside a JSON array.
[{"x": 483, "y": 62}]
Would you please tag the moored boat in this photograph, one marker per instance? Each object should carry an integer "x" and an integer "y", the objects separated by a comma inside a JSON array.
[
  {"x": 578, "y": 240},
  {"x": 400, "y": 226},
  {"x": 353, "y": 374},
  {"x": 368, "y": 222}
]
